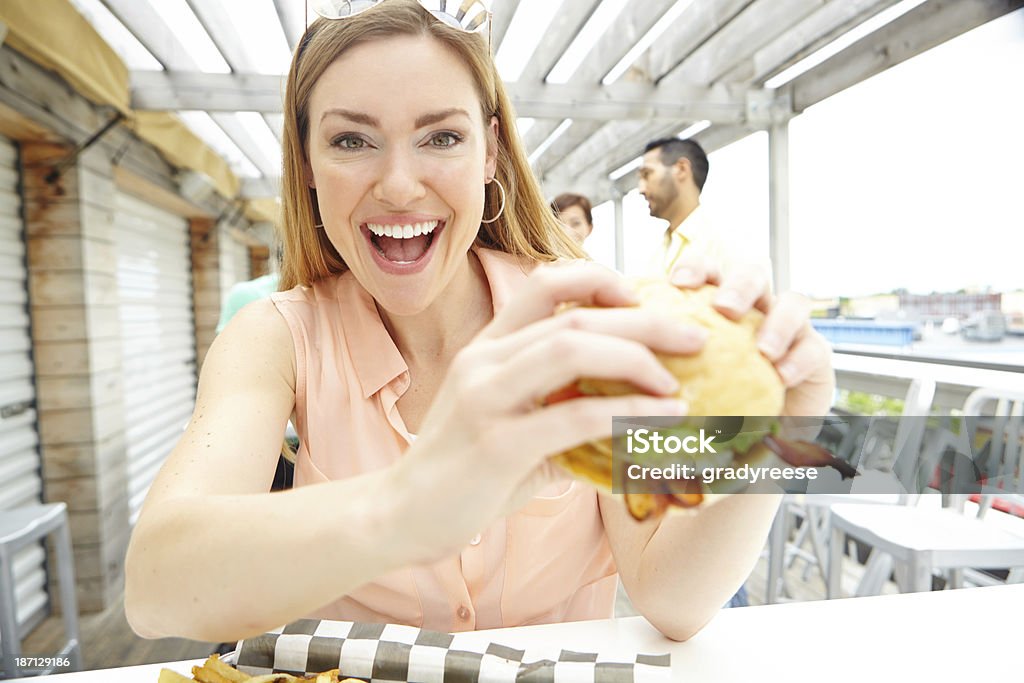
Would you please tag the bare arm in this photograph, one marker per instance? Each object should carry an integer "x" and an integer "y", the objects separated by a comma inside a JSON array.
[
  {"x": 212, "y": 548},
  {"x": 679, "y": 571}
]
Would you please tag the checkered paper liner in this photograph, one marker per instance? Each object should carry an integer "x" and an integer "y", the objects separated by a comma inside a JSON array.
[{"x": 390, "y": 652}]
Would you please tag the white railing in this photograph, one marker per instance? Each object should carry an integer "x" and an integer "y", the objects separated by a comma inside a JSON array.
[{"x": 892, "y": 377}]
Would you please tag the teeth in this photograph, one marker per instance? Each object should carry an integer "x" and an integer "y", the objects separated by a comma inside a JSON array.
[{"x": 402, "y": 231}]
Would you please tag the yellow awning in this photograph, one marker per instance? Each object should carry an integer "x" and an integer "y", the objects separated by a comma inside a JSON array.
[
  {"x": 182, "y": 148},
  {"x": 58, "y": 38}
]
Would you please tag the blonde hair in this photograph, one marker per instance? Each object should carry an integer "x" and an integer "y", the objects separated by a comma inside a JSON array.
[{"x": 526, "y": 227}]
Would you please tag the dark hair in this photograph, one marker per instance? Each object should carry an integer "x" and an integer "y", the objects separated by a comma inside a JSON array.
[
  {"x": 674, "y": 149},
  {"x": 569, "y": 199}
]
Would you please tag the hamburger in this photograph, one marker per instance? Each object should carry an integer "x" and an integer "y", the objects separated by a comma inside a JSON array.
[{"x": 730, "y": 382}]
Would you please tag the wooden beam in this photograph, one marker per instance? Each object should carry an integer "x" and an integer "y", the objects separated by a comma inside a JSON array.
[
  {"x": 156, "y": 195},
  {"x": 740, "y": 36},
  {"x": 578, "y": 133},
  {"x": 148, "y": 27},
  {"x": 778, "y": 200},
  {"x": 501, "y": 17},
  {"x": 267, "y": 161},
  {"x": 16, "y": 126},
  {"x": 221, "y": 27},
  {"x": 289, "y": 13},
  {"x": 806, "y": 37},
  {"x": 192, "y": 89},
  {"x": 921, "y": 29},
  {"x": 694, "y": 27},
  {"x": 625, "y": 100},
  {"x": 559, "y": 34},
  {"x": 162, "y": 91},
  {"x": 628, "y": 28}
]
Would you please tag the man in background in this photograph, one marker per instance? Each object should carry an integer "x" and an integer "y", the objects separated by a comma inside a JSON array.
[{"x": 671, "y": 179}]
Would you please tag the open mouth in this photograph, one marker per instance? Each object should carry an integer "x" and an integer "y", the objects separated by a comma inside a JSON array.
[{"x": 403, "y": 244}]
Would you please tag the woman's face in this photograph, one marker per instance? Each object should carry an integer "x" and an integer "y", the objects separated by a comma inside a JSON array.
[
  {"x": 399, "y": 154},
  {"x": 575, "y": 222}
]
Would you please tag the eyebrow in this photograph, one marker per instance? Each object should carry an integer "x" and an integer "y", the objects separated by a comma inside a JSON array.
[
  {"x": 422, "y": 121},
  {"x": 354, "y": 116},
  {"x": 438, "y": 116}
]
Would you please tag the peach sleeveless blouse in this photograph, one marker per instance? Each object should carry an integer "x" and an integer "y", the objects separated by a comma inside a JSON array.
[{"x": 548, "y": 562}]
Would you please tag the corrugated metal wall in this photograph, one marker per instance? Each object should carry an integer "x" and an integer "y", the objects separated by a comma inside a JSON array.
[
  {"x": 20, "y": 482},
  {"x": 157, "y": 336}
]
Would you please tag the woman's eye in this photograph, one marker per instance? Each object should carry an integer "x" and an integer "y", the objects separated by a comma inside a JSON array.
[
  {"x": 446, "y": 139},
  {"x": 349, "y": 142}
]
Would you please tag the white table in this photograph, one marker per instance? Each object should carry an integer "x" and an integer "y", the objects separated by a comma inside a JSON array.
[{"x": 967, "y": 634}]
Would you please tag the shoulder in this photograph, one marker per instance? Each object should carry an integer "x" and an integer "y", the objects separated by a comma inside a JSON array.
[
  {"x": 258, "y": 337},
  {"x": 505, "y": 266},
  {"x": 259, "y": 317},
  {"x": 332, "y": 288}
]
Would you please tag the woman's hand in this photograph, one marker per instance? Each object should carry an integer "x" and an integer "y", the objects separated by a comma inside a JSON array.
[
  {"x": 800, "y": 354},
  {"x": 483, "y": 445}
]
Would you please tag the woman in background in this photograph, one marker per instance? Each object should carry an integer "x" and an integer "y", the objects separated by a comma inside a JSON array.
[{"x": 575, "y": 213}]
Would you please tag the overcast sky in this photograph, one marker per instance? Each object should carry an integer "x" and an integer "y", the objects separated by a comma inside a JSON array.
[{"x": 913, "y": 179}]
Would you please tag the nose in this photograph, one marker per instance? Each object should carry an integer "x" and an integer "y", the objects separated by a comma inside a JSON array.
[{"x": 399, "y": 184}]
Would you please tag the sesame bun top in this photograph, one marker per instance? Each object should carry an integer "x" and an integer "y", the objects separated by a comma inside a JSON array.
[{"x": 729, "y": 376}]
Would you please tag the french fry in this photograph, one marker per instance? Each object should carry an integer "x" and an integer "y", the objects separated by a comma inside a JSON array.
[
  {"x": 228, "y": 672},
  {"x": 214, "y": 670},
  {"x": 203, "y": 674}
]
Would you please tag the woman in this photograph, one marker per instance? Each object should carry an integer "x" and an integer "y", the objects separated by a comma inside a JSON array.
[
  {"x": 575, "y": 214},
  {"x": 411, "y": 349}
]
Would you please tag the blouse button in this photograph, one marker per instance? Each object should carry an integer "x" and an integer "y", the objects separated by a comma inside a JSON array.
[
  {"x": 475, "y": 540},
  {"x": 463, "y": 613}
]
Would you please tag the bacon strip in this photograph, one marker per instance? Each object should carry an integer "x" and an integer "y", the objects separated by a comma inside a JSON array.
[{"x": 807, "y": 454}]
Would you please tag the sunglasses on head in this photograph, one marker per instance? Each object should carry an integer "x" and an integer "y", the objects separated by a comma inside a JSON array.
[{"x": 466, "y": 15}]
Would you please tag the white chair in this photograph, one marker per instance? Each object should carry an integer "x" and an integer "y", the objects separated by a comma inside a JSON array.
[
  {"x": 921, "y": 539},
  {"x": 882, "y": 444},
  {"x": 19, "y": 528}
]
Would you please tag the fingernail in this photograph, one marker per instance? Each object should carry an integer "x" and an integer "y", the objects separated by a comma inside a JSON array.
[
  {"x": 684, "y": 277},
  {"x": 770, "y": 344}
]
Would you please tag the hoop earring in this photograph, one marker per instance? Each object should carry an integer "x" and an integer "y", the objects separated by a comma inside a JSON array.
[{"x": 501, "y": 210}]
